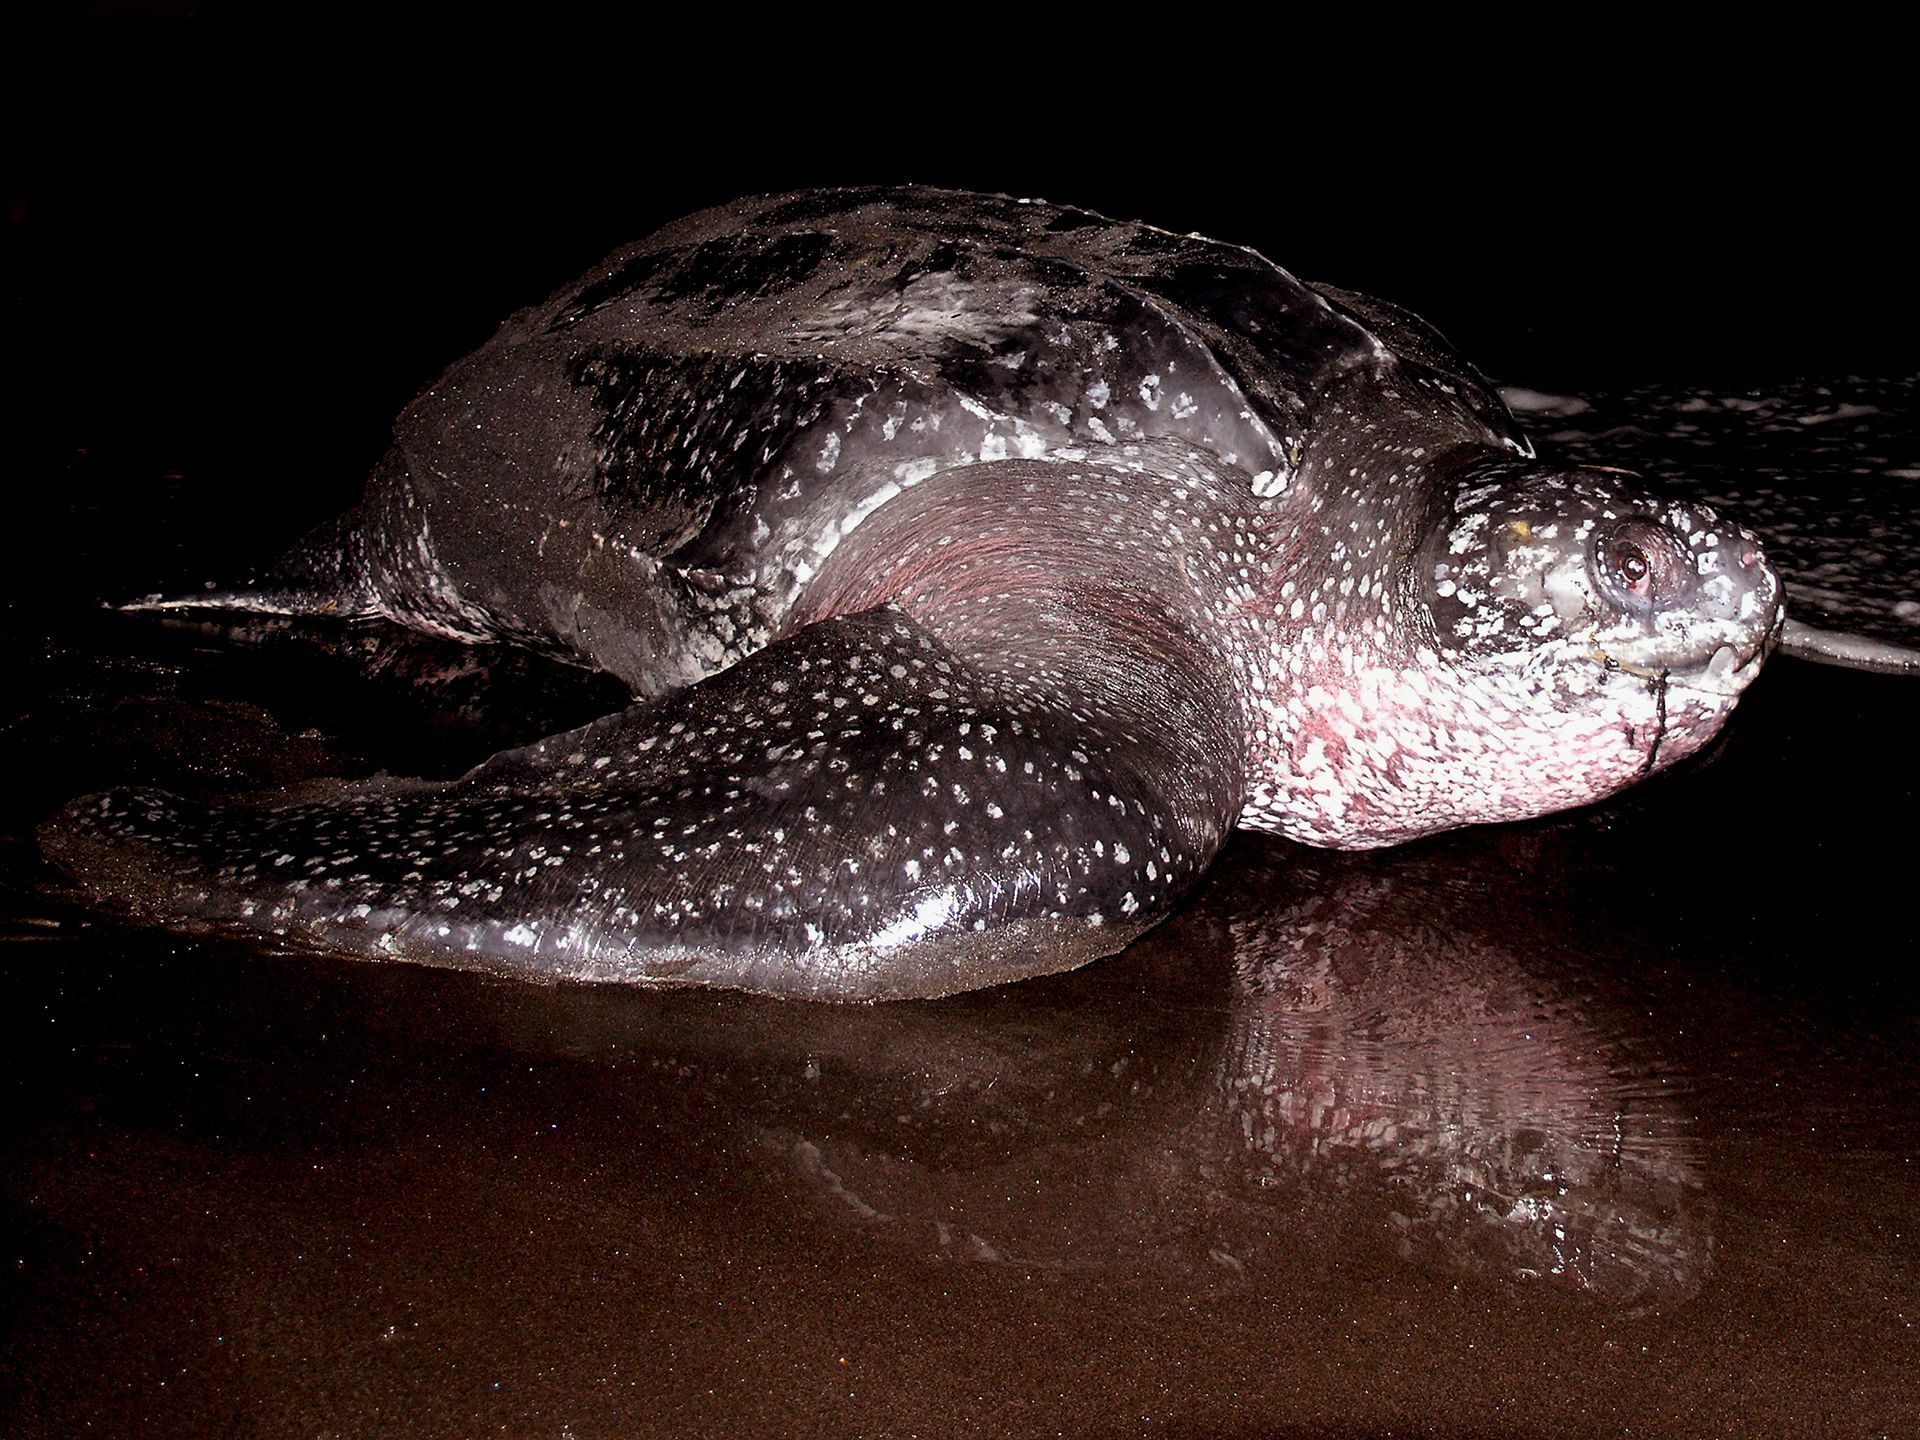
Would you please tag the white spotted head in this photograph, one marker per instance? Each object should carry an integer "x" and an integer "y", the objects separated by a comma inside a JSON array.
[
  {"x": 1556, "y": 573},
  {"x": 1554, "y": 636}
]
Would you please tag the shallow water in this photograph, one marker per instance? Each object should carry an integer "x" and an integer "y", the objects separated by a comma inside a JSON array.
[{"x": 1603, "y": 1124}]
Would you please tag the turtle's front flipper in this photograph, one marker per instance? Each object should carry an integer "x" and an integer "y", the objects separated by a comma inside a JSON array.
[{"x": 855, "y": 812}]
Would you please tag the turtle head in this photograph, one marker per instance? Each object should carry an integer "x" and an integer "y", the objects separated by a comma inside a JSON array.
[
  {"x": 1554, "y": 635},
  {"x": 1561, "y": 572},
  {"x": 1609, "y": 630}
]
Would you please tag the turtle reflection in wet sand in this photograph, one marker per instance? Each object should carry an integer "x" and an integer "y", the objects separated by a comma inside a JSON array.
[
  {"x": 977, "y": 565},
  {"x": 1321, "y": 1064}
]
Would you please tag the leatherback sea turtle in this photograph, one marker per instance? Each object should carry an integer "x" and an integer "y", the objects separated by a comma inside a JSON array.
[{"x": 977, "y": 565}]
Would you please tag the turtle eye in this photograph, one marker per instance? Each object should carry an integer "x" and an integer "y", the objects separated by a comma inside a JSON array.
[
  {"x": 1642, "y": 566},
  {"x": 1631, "y": 568}
]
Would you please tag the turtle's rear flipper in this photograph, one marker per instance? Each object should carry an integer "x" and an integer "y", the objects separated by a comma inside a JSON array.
[
  {"x": 855, "y": 812},
  {"x": 376, "y": 561},
  {"x": 325, "y": 574}
]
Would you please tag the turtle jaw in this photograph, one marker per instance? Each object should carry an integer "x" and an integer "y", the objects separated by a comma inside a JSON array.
[{"x": 1727, "y": 669}]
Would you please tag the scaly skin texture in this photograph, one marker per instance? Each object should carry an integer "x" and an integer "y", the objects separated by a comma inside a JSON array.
[{"x": 977, "y": 566}]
